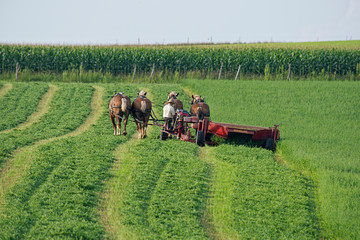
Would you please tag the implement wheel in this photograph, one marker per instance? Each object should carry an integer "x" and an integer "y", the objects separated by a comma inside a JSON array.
[
  {"x": 269, "y": 144},
  {"x": 200, "y": 138},
  {"x": 164, "y": 136}
]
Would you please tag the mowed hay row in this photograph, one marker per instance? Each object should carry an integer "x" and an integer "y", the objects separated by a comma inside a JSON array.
[
  {"x": 68, "y": 109},
  {"x": 19, "y": 103},
  {"x": 319, "y": 136},
  {"x": 255, "y": 197},
  {"x": 5, "y": 88},
  {"x": 163, "y": 184},
  {"x": 159, "y": 198},
  {"x": 174, "y": 189},
  {"x": 59, "y": 194},
  {"x": 171, "y": 191}
]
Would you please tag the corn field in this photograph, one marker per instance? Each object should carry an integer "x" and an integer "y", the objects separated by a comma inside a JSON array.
[{"x": 119, "y": 60}]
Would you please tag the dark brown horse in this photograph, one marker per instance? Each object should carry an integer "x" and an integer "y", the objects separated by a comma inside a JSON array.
[
  {"x": 119, "y": 108},
  {"x": 141, "y": 111},
  {"x": 199, "y": 108},
  {"x": 178, "y": 104}
]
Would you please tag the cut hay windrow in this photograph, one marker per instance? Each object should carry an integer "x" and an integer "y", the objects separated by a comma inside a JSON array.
[
  {"x": 57, "y": 196},
  {"x": 19, "y": 103},
  {"x": 69, "y": 108}
]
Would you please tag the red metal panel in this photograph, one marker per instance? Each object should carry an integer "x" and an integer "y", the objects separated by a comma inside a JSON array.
[
  {"x": 262, "y": 134},
  {"x": 191, "y": 119},
  {"x": 218, "y": 130},
  {"x": 223, "y": 129},
  {"x": 243, "y": 131},
  {"x": 240, "y": 127}
]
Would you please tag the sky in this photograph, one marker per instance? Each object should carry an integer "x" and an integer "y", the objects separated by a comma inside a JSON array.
[{"x": 177, "y": 21}]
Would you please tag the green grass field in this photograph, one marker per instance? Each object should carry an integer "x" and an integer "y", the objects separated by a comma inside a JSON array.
[
  {"x": 319, "y": 130},
  {"x": 67, "y": 176}
]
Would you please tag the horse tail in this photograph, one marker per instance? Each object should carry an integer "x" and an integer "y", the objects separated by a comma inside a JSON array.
[
  {"x": 200, "y": 113},
  {"x": 143, "y": 106},
  {"x": 123, "y": 104}
]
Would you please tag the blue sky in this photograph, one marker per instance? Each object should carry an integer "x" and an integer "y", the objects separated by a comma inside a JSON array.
[{"x": 174, "y": 21}]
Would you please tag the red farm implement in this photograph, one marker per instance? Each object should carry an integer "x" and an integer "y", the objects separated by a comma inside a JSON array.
[{"x": 205, "y": 128}]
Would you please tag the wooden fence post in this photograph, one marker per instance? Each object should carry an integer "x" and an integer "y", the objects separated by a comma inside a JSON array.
[
  {"x": 132, "y": 81},
  {"x": 152, "y": 72},
  {"x": 289, "y": 75},
  {"x": 238, "y": 71},
  {"x": 17, "y": 71},
  {"x": 220, "y": 71}
]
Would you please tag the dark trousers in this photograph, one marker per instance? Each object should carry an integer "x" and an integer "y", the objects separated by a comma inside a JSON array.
[{"x": 169, "y": 123}]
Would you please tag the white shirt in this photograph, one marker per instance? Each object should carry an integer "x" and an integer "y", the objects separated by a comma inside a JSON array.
[{"x": 168, "y": 111}]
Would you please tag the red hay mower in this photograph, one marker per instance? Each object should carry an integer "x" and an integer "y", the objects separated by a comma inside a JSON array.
[{"x": 205, "y": 128}]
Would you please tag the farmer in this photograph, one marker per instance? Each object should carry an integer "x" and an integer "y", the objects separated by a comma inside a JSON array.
[{"x": 169, "y": 113}]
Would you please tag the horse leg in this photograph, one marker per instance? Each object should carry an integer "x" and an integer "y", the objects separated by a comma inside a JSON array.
[
  {"x": 118, "y": 132},
  {"x": 125, "y": 122},
  {"x": 145, "y": 126},
  {"x": 113, "y": 123},
  {"x": 143, "y": 129},
  {"x": 138, "y": 125}
]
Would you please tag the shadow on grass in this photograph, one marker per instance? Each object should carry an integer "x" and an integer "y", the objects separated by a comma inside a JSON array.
[{"x": 238, "y": 139}]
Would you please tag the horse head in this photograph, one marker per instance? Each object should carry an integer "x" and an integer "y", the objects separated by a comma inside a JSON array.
[
  {"x": 196, "y": 99},
  {"x": 177, "y": 103},
  {"x": 199, "y": 107},
  {"x": 142, "y": 93},
  {"x": 173, "y": 95}
]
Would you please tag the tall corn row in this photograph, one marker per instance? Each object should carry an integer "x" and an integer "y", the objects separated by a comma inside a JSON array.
[{"x": 121, "y": 60}]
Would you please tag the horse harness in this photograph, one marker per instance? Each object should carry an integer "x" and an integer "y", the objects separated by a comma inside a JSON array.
[
  {"x": 113, "y": 106},
  {"x": 139, "y": 111},
  {"x": 197, "y": 101}
]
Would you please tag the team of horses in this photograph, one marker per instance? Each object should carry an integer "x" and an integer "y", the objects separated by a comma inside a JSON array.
[{"x": 120, "y": 108}]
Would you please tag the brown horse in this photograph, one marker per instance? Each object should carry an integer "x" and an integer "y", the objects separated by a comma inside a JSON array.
[
  {"x": 199, "y": 108},
  {"x": 141, "y": 111},
  {"x": 119, "y": 108},
  {"x": 178, "y": 104}
]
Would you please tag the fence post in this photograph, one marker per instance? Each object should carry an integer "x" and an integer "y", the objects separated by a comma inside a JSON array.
[
  {"x": 152, "y": 72},
  {"x": 220, "y": 71},
  {"x": 132, "y": 81},
  {"x": 17, "y": 71},
  {"x": 238, "y": 71},
  {"x": 289, "y": 75}
]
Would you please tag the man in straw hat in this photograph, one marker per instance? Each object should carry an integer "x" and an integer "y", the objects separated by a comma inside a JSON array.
[{"x": 169, "y": 113}]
